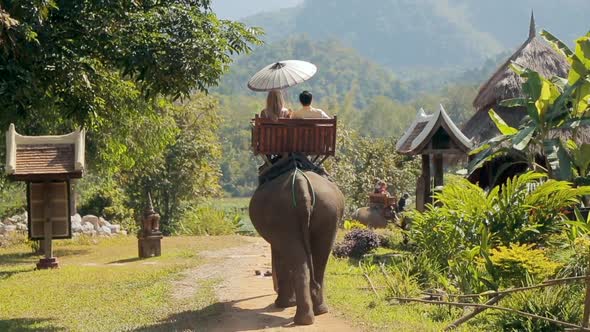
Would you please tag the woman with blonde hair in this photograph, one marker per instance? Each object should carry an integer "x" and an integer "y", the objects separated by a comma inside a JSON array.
[{"x": 275, "y": 106}]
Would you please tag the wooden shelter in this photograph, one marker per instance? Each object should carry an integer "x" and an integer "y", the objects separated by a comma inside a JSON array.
[
  {"x": 435, "y": 137},
  {"x": 535, "y": 54},
  {"x": 47, "y": 164},
  {"x": 539, "y": 56}
]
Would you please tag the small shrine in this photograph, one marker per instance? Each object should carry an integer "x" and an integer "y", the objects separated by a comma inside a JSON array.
[
  {"x": 47, "y": 164},
  {"x": 150, "y": 236},
  {"x": 436, "y": 138}
]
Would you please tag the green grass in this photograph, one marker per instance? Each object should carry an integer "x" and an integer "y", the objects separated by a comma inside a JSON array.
[
  {"x": 348, "y": 292},
  {"x": 102, "y": 286},
  {"x": 235, "y": 206}
]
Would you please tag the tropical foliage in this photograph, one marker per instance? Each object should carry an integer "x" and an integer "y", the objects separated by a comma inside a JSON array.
[
  {"x": 466, "y": 224},
  {"x": 556, "y": 107},
  {"x": 129, "y": 73}
]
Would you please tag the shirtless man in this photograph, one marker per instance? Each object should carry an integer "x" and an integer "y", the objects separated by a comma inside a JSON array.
[{"x": 307, "y": 111}]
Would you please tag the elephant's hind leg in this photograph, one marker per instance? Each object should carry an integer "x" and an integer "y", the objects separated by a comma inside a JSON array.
[
  {"x": 301, "y": 280},
  {"x": 321, "y": 244},
  {"x": 286, "y": 293}
]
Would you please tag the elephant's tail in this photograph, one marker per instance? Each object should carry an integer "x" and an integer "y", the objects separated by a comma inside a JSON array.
[{"x": 304, "y": 206}]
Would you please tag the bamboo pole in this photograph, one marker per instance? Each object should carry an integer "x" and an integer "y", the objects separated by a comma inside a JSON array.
[
  {"x": 474, "y": 313},
  {"x": 514, "y": 311},
  {"x": 546, "y": 283},
  {"x": 371, "y": 284}
]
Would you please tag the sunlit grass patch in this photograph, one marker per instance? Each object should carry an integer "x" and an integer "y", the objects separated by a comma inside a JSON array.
[
  {"x": 101, "y": 287},
  {"x": 349, "y": 293}
]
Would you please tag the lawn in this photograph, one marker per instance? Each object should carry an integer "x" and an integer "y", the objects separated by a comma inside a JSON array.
[
  {"x": 349, "y": 293},
  {"x": 102, "y": 286}
]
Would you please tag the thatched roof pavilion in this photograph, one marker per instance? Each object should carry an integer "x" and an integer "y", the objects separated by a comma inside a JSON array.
[{"x": 535, "y": 54}]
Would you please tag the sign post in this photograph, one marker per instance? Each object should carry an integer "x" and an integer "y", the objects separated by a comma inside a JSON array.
[{"x": 46, "y": 164}]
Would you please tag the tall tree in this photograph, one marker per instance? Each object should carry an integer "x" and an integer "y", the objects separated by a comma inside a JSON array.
[{"x": 65, "y": 64}]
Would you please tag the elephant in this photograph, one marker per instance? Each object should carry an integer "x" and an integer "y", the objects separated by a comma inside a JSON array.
[
  {"x": 298, "y": 214},
  {"x": 373, "y": 216}
]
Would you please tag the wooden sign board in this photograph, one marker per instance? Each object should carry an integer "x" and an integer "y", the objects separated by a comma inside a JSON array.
[{"x": 49, "y": 200}]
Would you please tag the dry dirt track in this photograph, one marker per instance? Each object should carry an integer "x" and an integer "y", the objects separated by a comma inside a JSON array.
[{"x": 248, "y": 299}]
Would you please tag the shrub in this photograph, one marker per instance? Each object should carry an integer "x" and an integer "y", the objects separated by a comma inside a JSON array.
[
  {"x": 206, "y": 220},
  {"x": 357, "y": 243},
  {"x": 401, "y": 282},
  {"x": 12, "y": 198},
  {"x": 524, "y": 210},
  {"x": 107, "y": 200},
  {"x": 559, "y": 302},
  {"x": 517, "y": 262},
  {"x": 578, "y": 257},
  {"x": 353, "y": 224}
]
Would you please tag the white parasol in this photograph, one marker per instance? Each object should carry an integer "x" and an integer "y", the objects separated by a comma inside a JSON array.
[{"x": 282, "y": 74}]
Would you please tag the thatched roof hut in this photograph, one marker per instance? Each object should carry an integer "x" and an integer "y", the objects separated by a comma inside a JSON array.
[{"x": 535, "y": 54}]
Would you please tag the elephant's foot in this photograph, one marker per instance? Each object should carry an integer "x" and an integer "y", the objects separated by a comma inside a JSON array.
[
  {"x": 320, "y": 309},
  {"x": 285, "y": 303},
  {"x": 306, "y": 318}
]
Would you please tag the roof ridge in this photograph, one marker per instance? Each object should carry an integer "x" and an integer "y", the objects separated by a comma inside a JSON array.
[{"x": 532, "y": 26}]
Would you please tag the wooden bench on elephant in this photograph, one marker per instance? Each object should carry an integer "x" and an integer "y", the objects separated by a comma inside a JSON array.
[
  {"x": 381, "y": 199},
  {"x": 310, "y": 137}
]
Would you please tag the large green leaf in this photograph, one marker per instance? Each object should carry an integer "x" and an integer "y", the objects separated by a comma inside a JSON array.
[
  {"x": 521, "y": 140},
  {"x": 575, "y": 123},
  {"x": 581, "y": 158},
  {"x": 502, "y": 126},
  {"x": 560, "y": 105},
  {"x": 557, "y": 44},
  {"x": 577, "y": 71},
  {"x": 514, "y": 102},
  {"x": 559, "y": 160},
  {"x": 583, "y": 50},
  {"x": 582, "y": 98}
]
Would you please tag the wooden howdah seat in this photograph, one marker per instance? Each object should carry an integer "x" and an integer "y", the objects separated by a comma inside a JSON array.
[
  {"x": 382, "y": 199},
  {"x": 310, "y": 137}
]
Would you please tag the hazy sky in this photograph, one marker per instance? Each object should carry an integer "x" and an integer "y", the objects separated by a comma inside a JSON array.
[{"x": 235, "y": 9}]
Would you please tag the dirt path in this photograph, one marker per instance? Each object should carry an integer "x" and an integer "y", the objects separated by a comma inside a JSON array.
[{"x": 248, "y": 299}]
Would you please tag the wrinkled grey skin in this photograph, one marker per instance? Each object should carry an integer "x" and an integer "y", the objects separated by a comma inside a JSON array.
[
  {"x": 371, "y": 217},
  {"x": 301, "y": 237}
]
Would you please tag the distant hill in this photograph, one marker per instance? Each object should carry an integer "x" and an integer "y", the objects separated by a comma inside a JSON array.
[
  {"x": 341, "y": 70},
  {"x": 425, "y": 34},
  {"x": 236, "y": 9}
]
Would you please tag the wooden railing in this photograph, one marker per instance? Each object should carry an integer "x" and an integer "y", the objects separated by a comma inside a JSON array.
[{"x": 305, "y": 136}]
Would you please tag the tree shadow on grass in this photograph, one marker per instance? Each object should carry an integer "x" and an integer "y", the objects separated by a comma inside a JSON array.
[
  {"x": 28, "y": 324},
  {"x": 127, "y": 260},
  {"x": 21, "y": 258},
  {"x": 212, "y": 318},
  {"x": 18, "y": 258},
  {"x": 9, "y": 273}
]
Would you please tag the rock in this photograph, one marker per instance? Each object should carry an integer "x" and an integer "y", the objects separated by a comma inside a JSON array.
[
  {"x": 9, "y": 229},
  {"x": 257, "y": 272},
  {"x": 87, "y": 227},
  {"x": 9, "y": 221},
  {"x": 104, "y": 230},
  {"x": 103, "y": 222},
  {"x": 115, "y": 229},
  {"x": 77, "y": 228},
  {"x": 20, "y": 218},
  {"x": 77, "y": 219},
  {"x": 1, "y": 228},
  {"x": 91, "y": 219},
  {"x": 76, "y": 223},
  {"x": 21, "y": 227}
]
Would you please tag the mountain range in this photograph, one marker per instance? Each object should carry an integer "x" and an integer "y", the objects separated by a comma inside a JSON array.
[{"x": 423, "y": 34}]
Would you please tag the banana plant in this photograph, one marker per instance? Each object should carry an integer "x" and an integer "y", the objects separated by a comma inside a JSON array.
[{"x": 552, "y": 105}]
